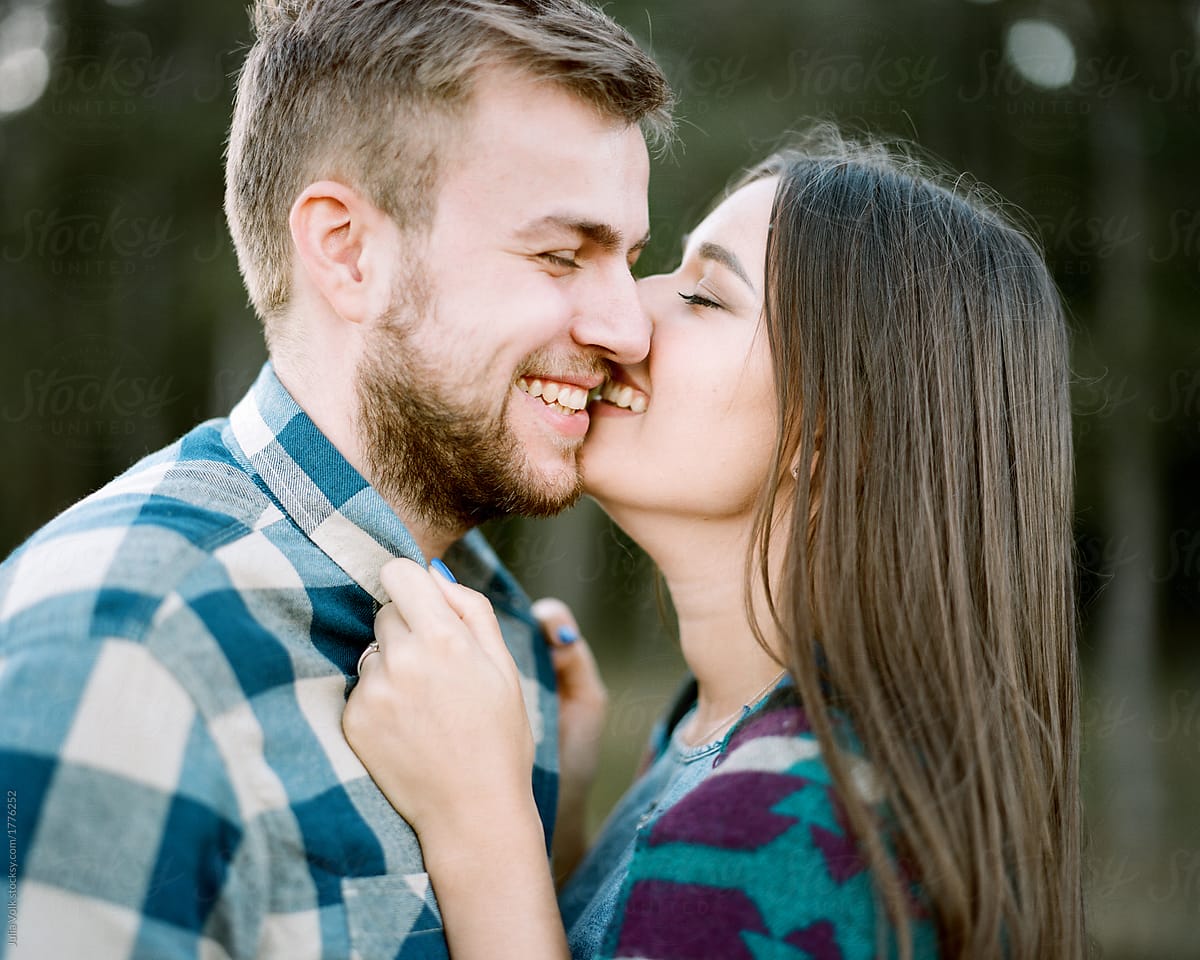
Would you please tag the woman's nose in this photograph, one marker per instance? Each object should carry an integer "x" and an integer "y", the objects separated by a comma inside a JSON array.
[{"x": 651, "y": 292}]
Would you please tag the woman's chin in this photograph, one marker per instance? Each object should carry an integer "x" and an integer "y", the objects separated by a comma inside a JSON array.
[
  {"x": 600, "y": 457},
  {"x": 622, "y": 491},
  {"x": 595, "y": 473},
  {"x": 606, "y": 475},
  {"x": 629, "y": 517},
  {"x": 621, "y": 473}
]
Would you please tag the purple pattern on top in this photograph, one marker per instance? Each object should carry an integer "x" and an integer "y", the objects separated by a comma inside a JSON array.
[
  {"x": 843, "y": 858},
  {"x": 818, "y": 940},
  {"x": 731, "y": 811},
  {"x": 841, "y": 853},
  {"x": 686, "y": 921}
]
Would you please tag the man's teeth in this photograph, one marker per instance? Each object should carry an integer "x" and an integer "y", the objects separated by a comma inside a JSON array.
[
  {"x": 623, "y": 395},
  {"x": 565, "y": 396},
  {"x": 568, "y": 398}
]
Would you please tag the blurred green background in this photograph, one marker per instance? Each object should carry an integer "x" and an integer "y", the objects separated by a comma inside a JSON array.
[{"x": 124, "y": 320}]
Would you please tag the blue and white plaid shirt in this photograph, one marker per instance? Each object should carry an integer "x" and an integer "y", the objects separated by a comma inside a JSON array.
[{"x": 174, "y": 655}]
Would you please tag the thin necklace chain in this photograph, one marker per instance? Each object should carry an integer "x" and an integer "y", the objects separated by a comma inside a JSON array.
[{"x": 745, "y": 707}]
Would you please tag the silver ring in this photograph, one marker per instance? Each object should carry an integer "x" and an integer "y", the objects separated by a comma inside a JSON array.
[{"x": 372, "y": 647}]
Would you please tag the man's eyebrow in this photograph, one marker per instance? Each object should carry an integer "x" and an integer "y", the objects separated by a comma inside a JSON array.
[
  {"x": 721, "y": 255},
  {"x": 603, "y": 235}
]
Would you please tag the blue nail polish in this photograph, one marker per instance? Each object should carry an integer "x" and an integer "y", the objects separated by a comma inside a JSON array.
[
  {"x": 567, "y": 636},
  {"x": 436, "y": 564}
]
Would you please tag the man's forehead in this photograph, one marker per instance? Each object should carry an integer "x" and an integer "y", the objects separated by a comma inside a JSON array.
[{"x": 538, "y": 160}]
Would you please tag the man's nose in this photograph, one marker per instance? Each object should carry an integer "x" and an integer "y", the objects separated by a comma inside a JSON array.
[{"x": 612, "y": 321}]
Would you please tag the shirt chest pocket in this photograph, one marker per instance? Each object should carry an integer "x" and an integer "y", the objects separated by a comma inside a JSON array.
[{"x": 393, "y": 916}]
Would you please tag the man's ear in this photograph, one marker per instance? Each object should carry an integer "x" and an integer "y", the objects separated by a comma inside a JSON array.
[{"x": 340, "y": 240}]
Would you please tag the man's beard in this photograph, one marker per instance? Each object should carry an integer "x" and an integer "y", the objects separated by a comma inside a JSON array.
[{"x": 452, "y": 465}]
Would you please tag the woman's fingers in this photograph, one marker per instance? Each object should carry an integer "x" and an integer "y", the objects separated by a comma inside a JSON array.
[
  {"x": 438, "y": 683},
  {"x": 558, "y": 623},
  {"x": 582, "y": 707},
  {"x": 389, "y": 623},
  {"x": 390, "y": 631},
  {"x": 421, "y": 605},
  {"x": 574, "y": 666},
  {"x": 429, "y": 609},
  {"x": 432, "y": 606},
  {"x": 476, "y": 613}
]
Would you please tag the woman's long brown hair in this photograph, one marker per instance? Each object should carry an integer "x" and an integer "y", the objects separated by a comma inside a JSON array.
[{"x": 927, "y": 592}]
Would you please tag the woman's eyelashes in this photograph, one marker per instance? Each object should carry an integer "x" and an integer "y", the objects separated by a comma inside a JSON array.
[{"x": 698, "y": 301}]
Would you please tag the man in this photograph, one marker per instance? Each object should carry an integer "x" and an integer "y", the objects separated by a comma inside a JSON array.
[{"x": 435, "y": 205}]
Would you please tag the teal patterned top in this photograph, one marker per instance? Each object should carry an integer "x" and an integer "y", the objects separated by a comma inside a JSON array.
[{"x": 757, "y": 861}]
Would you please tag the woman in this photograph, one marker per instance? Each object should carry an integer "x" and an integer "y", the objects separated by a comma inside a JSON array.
[{"x": 852, "y": 463}]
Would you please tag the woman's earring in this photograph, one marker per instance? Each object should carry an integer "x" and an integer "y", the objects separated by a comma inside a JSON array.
[{"x": 796, "y": 472}]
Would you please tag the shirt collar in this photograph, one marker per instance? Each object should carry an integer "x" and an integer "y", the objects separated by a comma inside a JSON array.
[{"x": 316, "y": 486}]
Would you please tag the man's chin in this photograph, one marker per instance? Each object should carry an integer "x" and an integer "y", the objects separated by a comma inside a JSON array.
[
  {"x": 552, "y": 493},
  {"x": 550, "y": 460}
]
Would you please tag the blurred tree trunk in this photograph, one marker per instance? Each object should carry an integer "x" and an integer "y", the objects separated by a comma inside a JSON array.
[{"x": 1128, "y": 617}]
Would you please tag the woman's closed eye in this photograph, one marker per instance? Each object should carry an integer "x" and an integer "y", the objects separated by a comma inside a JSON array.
[{"x": 698, "y": 301}]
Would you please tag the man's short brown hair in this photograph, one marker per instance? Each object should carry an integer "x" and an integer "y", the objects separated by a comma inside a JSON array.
[{"x": 367, "y": 91}]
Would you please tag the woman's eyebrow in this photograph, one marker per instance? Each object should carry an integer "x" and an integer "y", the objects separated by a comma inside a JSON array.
[{"x": 725, "y": 257}]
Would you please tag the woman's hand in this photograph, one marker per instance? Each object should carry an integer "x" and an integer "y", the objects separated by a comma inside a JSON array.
[
  {"x": 583, "y": 706},
  {"x": 438, "y": 720},
  {"x": 437, "y": 717}
]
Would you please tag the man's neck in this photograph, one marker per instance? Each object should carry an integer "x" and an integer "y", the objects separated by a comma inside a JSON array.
[
  {"x": 434, "y": 542},
  {"x": 324, "y": 390},
  {"x": 326, "y": 394}
]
